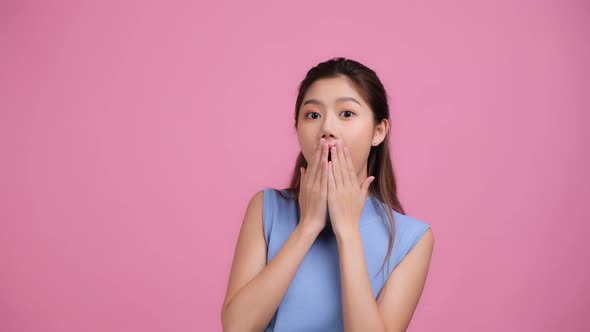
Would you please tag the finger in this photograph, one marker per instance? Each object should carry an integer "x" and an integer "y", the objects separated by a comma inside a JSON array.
[
  {"x": 331, "y": 182},
  {"x": 336, "y": 168},
  {"x": 312, "y": 169},
  {"x": 351, "y": 170},
  {"x": 343, "y": 166},
  {"x": 324, "y": 180},
  {"x": 365, "y": 186},
  {"x": 323, "y": 159}
]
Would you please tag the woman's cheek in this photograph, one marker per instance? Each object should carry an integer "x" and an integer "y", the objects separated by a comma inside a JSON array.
[{"x": 309, "y": 156}]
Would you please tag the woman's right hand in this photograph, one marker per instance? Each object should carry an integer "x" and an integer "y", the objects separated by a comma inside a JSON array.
[{"x": 313, "y": 190}]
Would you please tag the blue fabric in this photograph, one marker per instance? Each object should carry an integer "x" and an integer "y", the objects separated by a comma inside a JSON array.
[{"x": 313, "y": 301}]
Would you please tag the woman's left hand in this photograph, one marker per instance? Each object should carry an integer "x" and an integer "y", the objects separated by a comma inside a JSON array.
[{"x": 346, "y": 198}]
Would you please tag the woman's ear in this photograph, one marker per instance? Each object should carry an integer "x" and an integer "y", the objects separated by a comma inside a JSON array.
[{"x": 380, "y": 132}]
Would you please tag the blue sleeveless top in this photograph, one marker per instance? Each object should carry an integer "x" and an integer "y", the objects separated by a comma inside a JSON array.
[{"x": 313, "y": 301}]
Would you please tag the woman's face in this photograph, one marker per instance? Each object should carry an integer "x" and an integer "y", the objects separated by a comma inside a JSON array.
[{"x": 334, "y": 110}]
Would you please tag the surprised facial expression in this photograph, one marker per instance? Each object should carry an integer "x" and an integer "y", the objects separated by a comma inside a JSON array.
[{"x": 333, "y": 109}]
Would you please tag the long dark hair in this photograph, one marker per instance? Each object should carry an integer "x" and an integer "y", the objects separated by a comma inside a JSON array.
[{"x": 379, "y": 165}]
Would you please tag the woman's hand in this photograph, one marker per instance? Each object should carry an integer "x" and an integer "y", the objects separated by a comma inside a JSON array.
[
  {"x": 313, "y": 190},
  {"x": 346, "y": 198}
]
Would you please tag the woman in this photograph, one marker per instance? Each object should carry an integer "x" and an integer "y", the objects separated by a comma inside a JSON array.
[{"x": 308, "y": 256}]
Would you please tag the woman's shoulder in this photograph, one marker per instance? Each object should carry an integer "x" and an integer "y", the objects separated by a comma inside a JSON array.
[
  {"x": 409, "y": 230},
  {"x": 403, "y": 220},
  {"x": 276, "y": 193},
  {"x": 408, "y": 221},
  {"x": 407, "y": 226}
]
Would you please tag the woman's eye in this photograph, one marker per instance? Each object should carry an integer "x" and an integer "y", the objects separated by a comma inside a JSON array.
[
  {"x": 307, "y": 116},
  {"x": 316, "y": 113}
]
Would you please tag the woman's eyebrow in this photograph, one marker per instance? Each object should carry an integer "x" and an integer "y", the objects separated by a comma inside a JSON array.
[{"x": 317, "y": 102}]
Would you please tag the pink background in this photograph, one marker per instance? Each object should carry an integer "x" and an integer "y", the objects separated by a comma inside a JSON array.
[{"x": 133, "y": 135}]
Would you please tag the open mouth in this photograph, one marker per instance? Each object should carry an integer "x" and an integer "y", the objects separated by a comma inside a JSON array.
[{"x": 329, "y": 156}]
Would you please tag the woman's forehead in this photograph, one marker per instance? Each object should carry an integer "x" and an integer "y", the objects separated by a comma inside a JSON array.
[
  {"x": 332, "y": 88},
  {"x": 333, "y": 92}
]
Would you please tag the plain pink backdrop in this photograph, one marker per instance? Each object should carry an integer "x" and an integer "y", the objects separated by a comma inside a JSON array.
[{"x": 133, "y": 134}]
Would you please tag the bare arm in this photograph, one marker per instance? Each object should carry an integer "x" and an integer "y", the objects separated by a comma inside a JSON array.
[
  {"x": 397, "y": 301},
  {"x": 402, "y": 291},
  {"x": 255, "y": 289},
  {"x": 359, "y": 308}
]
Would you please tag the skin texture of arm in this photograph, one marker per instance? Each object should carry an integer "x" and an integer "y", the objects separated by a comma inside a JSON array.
[
  {"x": 255, "y": 289},
  {"x": 397, "y": 301}
]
